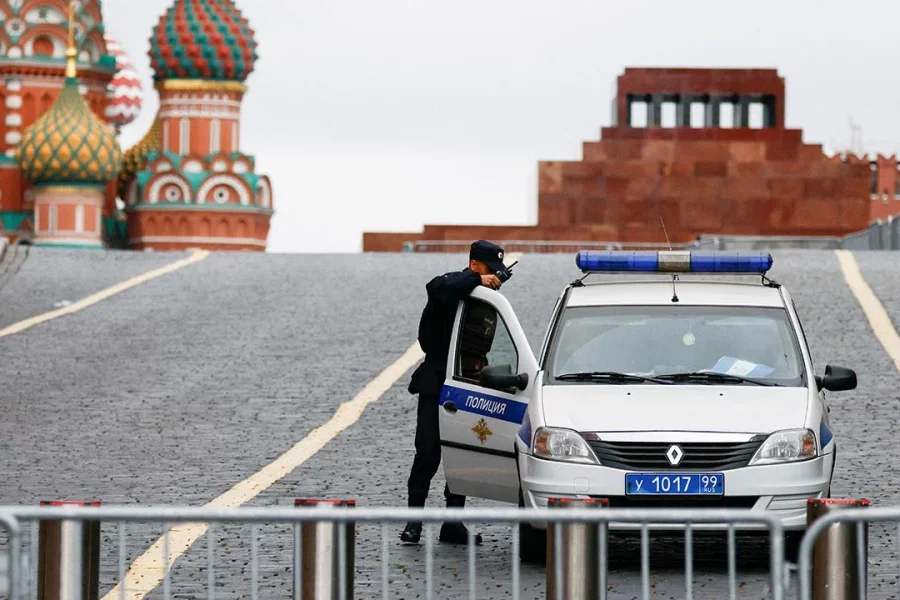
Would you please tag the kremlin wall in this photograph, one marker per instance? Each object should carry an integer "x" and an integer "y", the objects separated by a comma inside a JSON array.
[
  {"x": 707, "y": 151},
  {"x": 66, "y": 89}
]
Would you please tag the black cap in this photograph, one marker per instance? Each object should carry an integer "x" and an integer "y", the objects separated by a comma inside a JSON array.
[{"x": 488, "y": 253}]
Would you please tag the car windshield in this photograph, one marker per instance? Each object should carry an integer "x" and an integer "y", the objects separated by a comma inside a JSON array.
[{"x": 716, "y": 345}]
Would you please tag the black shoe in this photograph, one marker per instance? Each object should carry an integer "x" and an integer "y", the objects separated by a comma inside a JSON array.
[
  {"x": 456, "y": 533},
  {"x": 412, "y": 533}
]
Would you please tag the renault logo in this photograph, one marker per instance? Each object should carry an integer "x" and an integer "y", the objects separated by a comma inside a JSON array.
[{"x": 674, "y": 454}]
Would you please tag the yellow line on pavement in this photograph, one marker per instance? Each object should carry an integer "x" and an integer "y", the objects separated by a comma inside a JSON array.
[
  {"x": 148, "y": 570},
  {"x": 102, "y": 294},
  {"x": 878, "y": 317}
]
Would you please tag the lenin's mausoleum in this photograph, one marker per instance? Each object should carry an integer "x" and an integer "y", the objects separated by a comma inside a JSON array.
[
  {"x": 707, "y": 151},
  {"x": 66, "y": 89}
]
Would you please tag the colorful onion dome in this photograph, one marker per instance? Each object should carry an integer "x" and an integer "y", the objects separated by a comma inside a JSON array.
[
  {"x": 136, "y": 156},
  {"x": 68, "y": 144},
  {"x": 203, "y": 39},
  {"x": 125, "y": 88}
]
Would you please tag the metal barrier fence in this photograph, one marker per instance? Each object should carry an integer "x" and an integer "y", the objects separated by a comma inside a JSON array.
[
  {"x": 547, "y": 246},
  {"x": 10, "y": 525},
  {"x": 881, "y": 235},
  {"x": 301, "y": 558},
  {"x": 758, "y": 242},
  {"x": 858, "y": 518}
]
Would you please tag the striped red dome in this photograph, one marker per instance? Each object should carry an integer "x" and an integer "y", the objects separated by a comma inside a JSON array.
[
  {"x": 203, "y": 39},
  {"x": 125, "y": 89}
]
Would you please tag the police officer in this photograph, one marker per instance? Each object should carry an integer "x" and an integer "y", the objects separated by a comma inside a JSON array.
[{"x": 435, "y": 329}]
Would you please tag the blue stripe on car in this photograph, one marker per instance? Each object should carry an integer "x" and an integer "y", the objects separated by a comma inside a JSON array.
[
  {"x": 825, "y": 434},
  {"x": 525, "y": 430},
  {"x": 483, "y": 404}
]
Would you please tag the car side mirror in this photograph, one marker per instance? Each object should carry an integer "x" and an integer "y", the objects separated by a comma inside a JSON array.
[
  {"x": 837, "y": 379},
  {"x": 501, "y": 377}
]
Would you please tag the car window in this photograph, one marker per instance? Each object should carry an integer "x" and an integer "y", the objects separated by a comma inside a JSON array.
[
  {"x": 483, "y": 340},
  {"x": 659, "y": 340}
]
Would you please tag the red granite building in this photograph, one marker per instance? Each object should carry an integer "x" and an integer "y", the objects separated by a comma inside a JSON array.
[
  {"x": 706, "y": 151},
  {"x": 884, "y": 186}
]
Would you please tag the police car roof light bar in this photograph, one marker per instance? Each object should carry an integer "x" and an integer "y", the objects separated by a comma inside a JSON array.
[{"x": 674, "y": 262}]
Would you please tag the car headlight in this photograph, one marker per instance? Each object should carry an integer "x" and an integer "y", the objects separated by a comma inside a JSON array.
[
  {"x": 562, "y": 444},
  {"x": 786, "y": 446}
]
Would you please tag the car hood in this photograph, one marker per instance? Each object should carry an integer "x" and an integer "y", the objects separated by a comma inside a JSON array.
[{"x": 647, "y": 407}]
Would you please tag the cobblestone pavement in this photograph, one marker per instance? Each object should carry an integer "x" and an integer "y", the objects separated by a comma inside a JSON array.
[
  {"x": 37, "y": 280},
  {"x": 173, "y": 391}
]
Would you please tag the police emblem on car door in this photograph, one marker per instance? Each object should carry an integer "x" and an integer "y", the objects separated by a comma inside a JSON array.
[{"x": 489, "y": 379}]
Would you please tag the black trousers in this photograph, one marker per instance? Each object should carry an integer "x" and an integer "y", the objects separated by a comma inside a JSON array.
[{"x": 428, "y": 454}]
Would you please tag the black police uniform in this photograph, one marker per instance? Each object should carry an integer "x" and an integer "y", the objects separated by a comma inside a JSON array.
[{"x": 435, "y": 330}]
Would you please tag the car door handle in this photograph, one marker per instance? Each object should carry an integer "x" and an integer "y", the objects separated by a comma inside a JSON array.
[{"x": 450, "y": 407}]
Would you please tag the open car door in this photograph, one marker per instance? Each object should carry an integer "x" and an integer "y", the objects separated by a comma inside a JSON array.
[{"x": 489, "y": 383}]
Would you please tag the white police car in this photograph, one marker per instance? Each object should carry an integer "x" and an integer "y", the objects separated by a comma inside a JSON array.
[{"x": 656, "y": 393}]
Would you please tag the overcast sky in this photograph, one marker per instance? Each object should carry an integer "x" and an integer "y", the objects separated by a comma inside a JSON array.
[{"x": 384, "y": 115}]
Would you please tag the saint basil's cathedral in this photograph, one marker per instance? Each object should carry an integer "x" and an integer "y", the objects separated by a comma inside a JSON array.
[{"x": 67, "y": 89}]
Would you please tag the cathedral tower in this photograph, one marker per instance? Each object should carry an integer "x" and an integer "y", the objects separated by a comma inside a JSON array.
[{"x": 194, "y": 187}]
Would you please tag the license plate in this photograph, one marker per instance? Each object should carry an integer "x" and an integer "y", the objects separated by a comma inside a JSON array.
[{"x": 674, "y": 484}]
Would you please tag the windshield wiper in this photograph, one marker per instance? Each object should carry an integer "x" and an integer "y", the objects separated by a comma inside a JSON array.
[
  {"x": 611, "y": 377},
  {"x": 700, "y": 376}
]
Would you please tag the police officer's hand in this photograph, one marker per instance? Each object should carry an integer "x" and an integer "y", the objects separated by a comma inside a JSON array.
[{"x": 491, "y": 281}]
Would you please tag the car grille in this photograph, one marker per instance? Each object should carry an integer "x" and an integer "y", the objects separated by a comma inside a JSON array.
[
  {"x": 651, "y": 456},
  {"x": 639, "y": 502}
]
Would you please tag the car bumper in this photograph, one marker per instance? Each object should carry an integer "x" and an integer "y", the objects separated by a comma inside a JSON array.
[{"x": 780, "y": 491}]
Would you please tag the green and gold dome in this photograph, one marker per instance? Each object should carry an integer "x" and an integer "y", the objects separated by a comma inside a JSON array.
[
  {"x": 136, "y": 156},
  {"x": 69, "y": 145}
]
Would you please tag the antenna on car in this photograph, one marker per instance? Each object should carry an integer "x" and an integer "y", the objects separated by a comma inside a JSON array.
[{"x": 669, "y": 243}]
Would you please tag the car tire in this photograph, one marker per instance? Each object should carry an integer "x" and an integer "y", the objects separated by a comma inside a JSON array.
[
  {"x": 532, "y": 545},
  {"x": 532, "y": 541},
  {"x": 792, "y": 541}
]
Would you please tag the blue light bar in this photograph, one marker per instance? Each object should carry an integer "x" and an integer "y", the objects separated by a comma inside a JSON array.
[
  {"x": 673, "y": 262},
  {"x": 731, "y": 262}
]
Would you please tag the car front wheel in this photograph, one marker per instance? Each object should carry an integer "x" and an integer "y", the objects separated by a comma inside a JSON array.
[
  {"x": 532, "y": 541},
  {"x": 792, "y": 541},
  {"x": 532, "y": 545}
]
